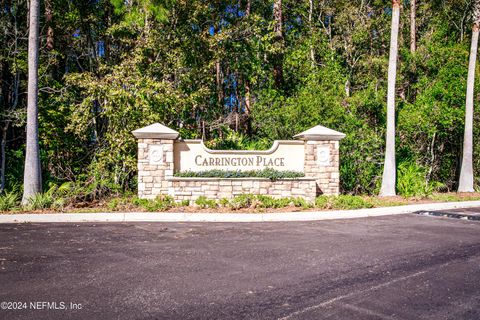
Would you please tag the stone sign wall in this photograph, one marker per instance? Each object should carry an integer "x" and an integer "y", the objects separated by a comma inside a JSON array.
[{"x": 161, "y": 153}]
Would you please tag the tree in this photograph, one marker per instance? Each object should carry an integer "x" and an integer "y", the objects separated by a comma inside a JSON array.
[
  {"x": 389, "y": 168},
  {"x": 32, "y": 174},
  {"x": 11, "y": 62},
  {"x": 310, "y": 19},
  {"x": 48, "y": 22},
  {"x": 279, "y": 40},
  {"x": 413, "y": 28},
  {"x": 466, "y": 172},
  {"x": 110, "y": 66}
]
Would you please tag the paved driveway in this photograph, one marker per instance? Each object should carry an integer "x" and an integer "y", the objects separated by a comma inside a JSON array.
[{"x": 392, "y": 267}]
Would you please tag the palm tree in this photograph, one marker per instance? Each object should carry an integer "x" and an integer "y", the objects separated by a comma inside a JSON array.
[
  {"x": 32, "y": 175},
  {"x": 389, "y": 168},
  {"x": 466, "y": 172}
]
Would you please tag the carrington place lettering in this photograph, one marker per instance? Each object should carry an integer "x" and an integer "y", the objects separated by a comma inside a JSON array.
[{"x": 257, "y": 161}]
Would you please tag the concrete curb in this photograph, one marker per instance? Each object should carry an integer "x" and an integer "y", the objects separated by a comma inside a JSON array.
[{"x": 231, "y": 217}]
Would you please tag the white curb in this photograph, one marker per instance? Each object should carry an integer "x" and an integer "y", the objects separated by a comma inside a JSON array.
[{"x": 231, "y": 217}]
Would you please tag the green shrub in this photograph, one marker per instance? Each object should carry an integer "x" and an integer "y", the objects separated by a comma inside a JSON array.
[
  {"x": 66, "y": 189},
  {"x": 350, "y": 202},
  {"x": 264, "y": 201},
  {"x": 40, "y": 201},
  {"x": 203, "y": 202},
  {"x": 59, "y": 204},
  {"x": 9, "y": 201},
  {"x": 300, "y": 202},
  {"x": 183, "y": 203},
  {"x": 242, "y": 201},
  {"x": 136, "y": 201},
  {"x": 160, "y": 203},
  {"x": 282, "y": 202},
  {"x": 273, "y": 174},
  {"x": 233, "y": 140},
  {"x": 267, "y": 201},
  {"x": 412, "y": 182},
  {"x": 224, "y": 202},
  {"x": 267, "y": 173},
  {"x": 270, "y": 202},
  {"x": 56, "y": 197},
  {"x": 323, "y": 202},
  {"x": 113, "y": 204},
  {"x": 164, "y": 202}
]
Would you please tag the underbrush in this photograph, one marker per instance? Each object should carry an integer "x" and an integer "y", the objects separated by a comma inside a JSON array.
[
  {"x": 262, "y": 201},
  {"x": 412, "y": 181},
  {"x": 9, "y": 201},
  {"x": 62, "y": 198},
  {"x": 343, "y": 202},
  {"x": 160, "y": 203}
]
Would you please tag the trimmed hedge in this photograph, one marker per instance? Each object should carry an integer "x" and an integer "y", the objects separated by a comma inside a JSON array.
[{"x": 268, "y": 173}]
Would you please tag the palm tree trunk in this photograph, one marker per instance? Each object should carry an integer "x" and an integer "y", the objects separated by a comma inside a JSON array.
[
  {"x": 32, "y": 175},
  {"x": 389, "y": 168},
  {"x": 466, "y": 172}
]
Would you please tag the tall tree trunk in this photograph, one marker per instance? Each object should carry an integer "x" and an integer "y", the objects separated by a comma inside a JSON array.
[
  {"x": 278, "y": 17},
  {"x": 49, "y": 22},
  {"x": 108, "y": 23},
  {"x": 219, "y": 80},
  {"x": 246, "y": 81},
  {"x": 389, "y": 168},
  {"x": 248, "y": 107},
  {"x": 278, "y": 34},
  {"x": 32, "y": 175},
  {"x": 3, "y": 155},
  {"x": 238, "y": 109},
  {"x": 310, "y": 21},
  {"x": 465, "y": 183},
  {"x": 413, "y": 28}
]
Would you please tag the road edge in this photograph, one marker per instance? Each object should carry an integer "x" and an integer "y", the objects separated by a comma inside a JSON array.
[{"x": 231, "y": 217}]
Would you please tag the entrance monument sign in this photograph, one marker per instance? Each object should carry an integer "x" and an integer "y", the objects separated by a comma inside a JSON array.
[
  {"x": 162, "y": 153},
  {"x": 193, "y": 155}
]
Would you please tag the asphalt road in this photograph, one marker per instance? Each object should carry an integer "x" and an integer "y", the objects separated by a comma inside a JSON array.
[{"x": 392, "y": 267}]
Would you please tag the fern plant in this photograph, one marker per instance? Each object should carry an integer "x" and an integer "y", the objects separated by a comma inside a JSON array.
[
  {"x": 412, "y": 181},
  {"x": 9, "y": 201}
]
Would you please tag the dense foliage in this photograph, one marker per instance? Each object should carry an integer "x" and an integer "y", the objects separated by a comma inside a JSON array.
[{"x": 210, "y": 69}]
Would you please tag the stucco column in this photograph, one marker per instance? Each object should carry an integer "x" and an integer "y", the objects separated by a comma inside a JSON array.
[
  {"x": 322, "y": 158},
  {"x": 155, "y": 159}
]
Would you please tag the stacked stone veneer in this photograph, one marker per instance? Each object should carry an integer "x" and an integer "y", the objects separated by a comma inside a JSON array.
[
  {"x": 326, "y": 173},
  {"x": 156, "y": 169},
  {"x": 154, "y": 178},
  {"x": 218, "y": 188}
]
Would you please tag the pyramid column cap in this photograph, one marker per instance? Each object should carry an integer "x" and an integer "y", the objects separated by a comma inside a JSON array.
[
  {"x": 319, "y": 133},
  {"x": 156, "y": 131}
]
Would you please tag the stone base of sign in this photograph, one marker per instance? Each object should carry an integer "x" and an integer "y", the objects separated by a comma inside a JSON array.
[
  {"x": 161, "y": 153},
  {"x": 218, "y": 188},
  {"x": 327, "y": 176}
]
